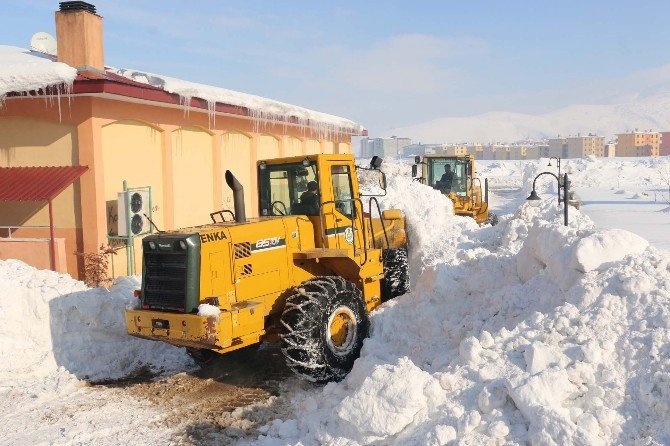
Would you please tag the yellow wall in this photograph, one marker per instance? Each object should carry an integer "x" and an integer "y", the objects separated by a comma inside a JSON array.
[
  {"x": 328, "y": 147},
  {"x": 236, "y": 157},
  {"x": 30, "y": 142},
  {"x": 131, "y": 151},
  {"x": 312, "y": 147},
  {"x": 343, "y": 147},
  {"x": 267, "y": 147},
  {"x": 293, "y": 146},
  {"x": 193, "y": 176}
]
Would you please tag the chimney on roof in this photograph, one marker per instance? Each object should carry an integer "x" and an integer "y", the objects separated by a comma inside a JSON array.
[{"x": 79, "y": 36}]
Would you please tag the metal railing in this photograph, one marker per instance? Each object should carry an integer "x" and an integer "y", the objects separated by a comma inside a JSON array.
[
  {"x": 220, "y": 214},
  {"x": 379, "y": 212},
  {"x": 10, "y": 228},
  {"x": 353, "y": 219}
]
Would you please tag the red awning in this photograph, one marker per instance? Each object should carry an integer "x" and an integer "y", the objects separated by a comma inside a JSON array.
[{"x": 36, "y": 183}]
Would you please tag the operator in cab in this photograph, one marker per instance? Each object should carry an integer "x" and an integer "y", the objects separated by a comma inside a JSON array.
[
  {"x": 444, "y": 184},
  {"x": 311, "y": 198}
]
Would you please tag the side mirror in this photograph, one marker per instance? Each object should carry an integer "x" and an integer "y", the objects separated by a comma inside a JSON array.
[
  {"x": 376, "y": 162},
  {"x": 415, "y": 170},
  {"x": 417, "y": 159}
]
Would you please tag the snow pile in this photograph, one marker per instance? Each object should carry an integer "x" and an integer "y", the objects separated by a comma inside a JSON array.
[
  {"x": 531, "y": 333},
  {"x": 262, "y": 109},
  {"x": 208, "y": 310},
  {"x": 22, "y": 71},
  {"x": 51, "y": 323}
]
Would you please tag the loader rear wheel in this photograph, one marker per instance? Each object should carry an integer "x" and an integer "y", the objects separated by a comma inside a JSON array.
[
  {"x": 396, "y": 273},
  {"x": 326, "y": 322},
  {"x": 201, "y": 356}
]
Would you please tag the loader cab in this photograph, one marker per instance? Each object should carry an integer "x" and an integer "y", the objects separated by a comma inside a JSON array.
[
  {"x": 323, "y": 188},
  {"x": 290, "y": 188},
  {"x": 447, "y": 174}
]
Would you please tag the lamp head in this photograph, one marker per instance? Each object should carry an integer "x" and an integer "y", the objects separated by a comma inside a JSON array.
[{"x": 533, "y": 199}]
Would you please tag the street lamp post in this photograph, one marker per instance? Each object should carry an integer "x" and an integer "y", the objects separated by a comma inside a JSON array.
[
  {"x": 558, "y": 164},
  {"x": 533, "y": 197}
]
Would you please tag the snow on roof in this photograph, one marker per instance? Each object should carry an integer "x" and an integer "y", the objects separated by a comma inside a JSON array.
[
  {"x": 23, "y": 71},
  {"x": 260, "y": 108}
]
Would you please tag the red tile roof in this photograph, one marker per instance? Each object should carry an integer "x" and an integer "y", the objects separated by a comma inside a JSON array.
[{"x": 36, "y": 183}]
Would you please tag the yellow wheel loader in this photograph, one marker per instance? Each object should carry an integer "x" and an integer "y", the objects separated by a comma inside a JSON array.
[
  {"x": 455, "y": 176},
  {"x": 305, "y": 273}
]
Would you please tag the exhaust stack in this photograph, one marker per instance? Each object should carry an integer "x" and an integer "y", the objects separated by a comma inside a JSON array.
[{"x": 238, "y": 196}]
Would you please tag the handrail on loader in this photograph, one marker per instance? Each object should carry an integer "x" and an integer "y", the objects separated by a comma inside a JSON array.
[
  {"x": 220, "y": 214},
  {"x": 379, "y": 211},
  {"x": 353, "y": 229}
]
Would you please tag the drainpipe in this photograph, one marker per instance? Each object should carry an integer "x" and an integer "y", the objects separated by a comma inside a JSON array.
[{"x": 52, "y": 242}]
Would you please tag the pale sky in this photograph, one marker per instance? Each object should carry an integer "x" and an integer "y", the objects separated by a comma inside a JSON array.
[{"x": 387, "y": 64}]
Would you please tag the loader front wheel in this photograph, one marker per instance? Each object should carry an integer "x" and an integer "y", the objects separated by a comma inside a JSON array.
[
  {"x": 396, "y": 273},
  {"x": 326, "y": 322}
]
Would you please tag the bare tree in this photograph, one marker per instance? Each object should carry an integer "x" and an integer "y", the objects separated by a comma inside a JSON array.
[{"x": 96, "y": 265}]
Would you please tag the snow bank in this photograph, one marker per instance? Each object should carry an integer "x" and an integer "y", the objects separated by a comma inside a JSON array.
[
  {"x": 261, "y": 108},
  {"x": 527, "y": 332},
  {"x": 51, "y": 323},
  {"x": 23, "y": 71}
]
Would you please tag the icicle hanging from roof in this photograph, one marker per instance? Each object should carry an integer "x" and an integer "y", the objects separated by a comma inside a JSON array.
[
  {"x": 262, "y": 110},
  {"x": 23, "y": 71}
]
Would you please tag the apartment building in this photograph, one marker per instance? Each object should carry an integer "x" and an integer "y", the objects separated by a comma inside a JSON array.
[
  {"x": 455, "y": 150},
  {"x": 635, "y": 144},
  {"x": 664, "y": 149},
  {"x": 610, "y": 149},
  {"x": 384, "y": 147},
  {"x": 477, "y": 150},
  {"x": 558, "y": 147},
  {"x": 581, "y": 146},
  {"x": 502, "y": 153}
]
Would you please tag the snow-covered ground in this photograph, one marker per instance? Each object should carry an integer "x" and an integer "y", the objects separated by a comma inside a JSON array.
[
  {"x": 527, "y": 332},
  {"x": 631, "y": 194}
]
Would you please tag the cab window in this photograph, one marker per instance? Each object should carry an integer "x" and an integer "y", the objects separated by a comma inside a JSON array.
[
  {"x": 448, "y": 175},
  {"x": 342, "y": 190},
  {"x": 289, "y": 189}
]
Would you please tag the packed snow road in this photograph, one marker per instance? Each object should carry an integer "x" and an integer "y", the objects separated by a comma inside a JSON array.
[{"x": 527, "y": 332}]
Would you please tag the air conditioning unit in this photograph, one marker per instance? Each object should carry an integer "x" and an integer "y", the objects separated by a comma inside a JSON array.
[{"x": 137, "y": 208}]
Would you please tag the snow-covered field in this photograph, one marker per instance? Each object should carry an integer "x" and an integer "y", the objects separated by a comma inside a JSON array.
[
  {"x": 527, "y": 332},
  {"x": 631, "y": 194}
]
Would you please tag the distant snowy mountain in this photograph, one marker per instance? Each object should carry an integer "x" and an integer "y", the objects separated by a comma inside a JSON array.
[{"x": 647, "y": 110}]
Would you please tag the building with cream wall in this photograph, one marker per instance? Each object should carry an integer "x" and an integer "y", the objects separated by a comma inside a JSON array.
[
  {"x": 455, "y": 150},
  {"x": 125, "y": 130},
  {"x": 581, "y": 146}
]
